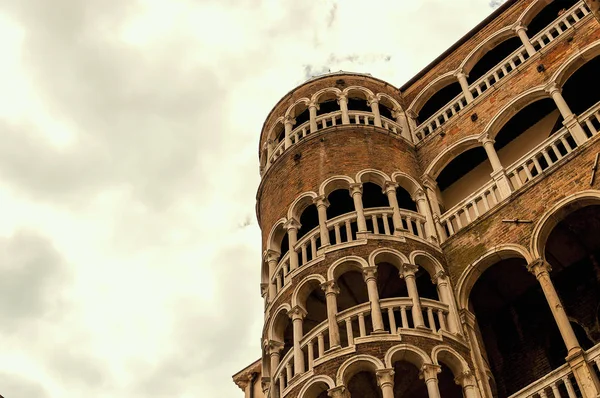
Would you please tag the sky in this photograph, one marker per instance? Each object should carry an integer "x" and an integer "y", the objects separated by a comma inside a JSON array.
[{"x": 129, "y": 247}]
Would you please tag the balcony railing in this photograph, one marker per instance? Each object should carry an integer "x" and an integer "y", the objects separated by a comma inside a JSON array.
[
  {"x": 533, "y": 164},
  {"x": 502, "y": 69},
  {"x": 355, "y": 323}
]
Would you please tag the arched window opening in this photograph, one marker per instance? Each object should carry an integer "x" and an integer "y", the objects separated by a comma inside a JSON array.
[
  {"x": 425, "y": 287},
  {"x": 493, "y": 58},
  {"x": 385, "y": 108},
  {"x": 438, "y": 100},
  {"x": 301, "y": 114},
  {"x": 364, "y": 385},
  {"x": 389, "y": 283},
  {"x": 462, "y": 176},
  {"x": 327, "y": 104},
  {"x": 357, "y": 101},
  {"x": 317, "y": 390},
  {"x": 573, "y": 251},
  {"x": 283, "y": 332},
  {"x": 447, "y": 385},
  {"x": 279, "y": 133},
  {"x": 309, "y": 220},
  {"x": 373, "y": 196},
  {"x": 316, "y": 309},
  {"x": 548, "y": 14},
  {"x": 582, "y": 90},
  {"x": 404, "y": 199},
  {"x": 407, "y": 382},
  {"x": 340, "y": 202},
  {"x": 353, "y": 290},
  {"x": 514, "y": 319},
  {"x": 285, "y": 244}
]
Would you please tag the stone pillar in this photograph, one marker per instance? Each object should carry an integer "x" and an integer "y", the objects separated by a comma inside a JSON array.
[
  {"x": 468, "y": 383},
  {"x": 464, "y": 84},
  {"x": 270, "y": 147},
  {"x": 429, "y": 373},
  {"x": 337, "y": 392},
  {"x": 370, "y": 276},
  {"x": 275, "y": 348},
  {"x": 331, "y": 292},
  {"x": 272, "y": 258},
  {"x": 356, "y": 192},
  {"x": 522, "y": 33},
  {"x": 322, "y": 204},
  {"x": 497, "y": 170},
  {"x": 390, "y": 191},
  {"x": 408, "y": 273},
  {"x": 400, "y": 117},
  {"x": 374, "y": 104},
  {"x": 446, "y": 297},
  {"x": 312, "y": 111},
  {"x": 385, "y": 380},
  {"x": 412, "y": 120},
  {"x": 423, "y": 208},
  {"x": 468, "y": 322},
  {"x": 570, "y": 120},
  {"x": 292, "y": 227},
  {"x": 343, "y": 102},
  {"x": 289, "y": 124},
  {"x": 297, "y": 314}
]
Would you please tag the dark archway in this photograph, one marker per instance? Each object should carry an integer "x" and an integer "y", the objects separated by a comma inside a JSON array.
[
  {"x": 373, "y": 196},
  {"x": 547, "y": 15},
  {"x": 582, "y": 90},
  {"x": 407, "y": 383},
  {"x": 493, "y": 58},
  {"x": 438, "y": 100},
  {"x": 364, "y": 385}
]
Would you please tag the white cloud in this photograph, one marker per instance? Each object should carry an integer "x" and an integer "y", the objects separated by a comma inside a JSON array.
[{"x": 128, "y": 170}]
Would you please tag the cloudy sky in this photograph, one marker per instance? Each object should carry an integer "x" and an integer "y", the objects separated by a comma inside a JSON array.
[{"x": 129, "y": 248}]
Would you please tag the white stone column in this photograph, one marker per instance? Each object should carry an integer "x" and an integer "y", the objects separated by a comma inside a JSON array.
[
  {"x": 374, "y": 104},
  {"x": 498, "y": 173},
  {"x": 275, "y": 348},
  {"x": 343, "y": 102},
  {"x": 468, "y": 383},
  {"x": 401, "y": 119},
  {"x": 331, "y": 292},
  {"x": 356, "y": 192},
  {"x": 297, "y": 314},
  {"x": 272, "y": 258},
  {"x": 385, "y": 380},
  {"x": 270, "y": 148},
  {"x": 289, "y": 124},
  {"x": 412, "y": 119},
  {"x": 292, "y": 227},
  {"x": 408, "y": 273},
  {"x": 429, "y": 373},
  {"x": 390, "y": 191},
  {"x": 322, "y": 204},
  {"x": 312, "y": 111},
  {"x": 468, "y": 322},
  {"x": 431, "y": 190},
  {"x": 570, "y": 120},
  {"x": 464, "y": 85},
  {"x": 420, "y": 199},
  {"x": 522, "y": 33},
  {"x": 446, "y": 297},
  {"x": 370, "y": 276}
]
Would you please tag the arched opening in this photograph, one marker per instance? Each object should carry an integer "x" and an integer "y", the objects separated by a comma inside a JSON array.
[
  {"x": 285, "y": 244},
  {"x": 312, "y": 298},
  {"x": 493, "y": 57},
  {"x": 447, "y": 385},
  {"x": 283, "y": 332},
  {"x": 364, "y": 385},
  {"x": 373, "y": 196},
  {"x": 463, "y": 176},
  {"x": 426, "y": 288},
  {"x": 515, "y": 325},
  {"x": 353, "y": 290},
  {"x": 358, "y": 101},
  {"x": 582, "y": 90},
  {"x": 327, "y": 103},
  {"x": 300, "y": 113},
  {"x": 407, "y": 382},
  {"x": 340, "y": 202},
  {"x": 438, "y": 100},
  {"x": 386, "y": 108},
  {"x": 547, "y": 15},
  {"x": 573, "y": 251},
  {"x": 389, "y": 283},
  {"x": 404, "y": 199},
  {"x": 278, "y": 133},
  {"x": 309, "y": 220},
  {"x": 316, "y": 390}
]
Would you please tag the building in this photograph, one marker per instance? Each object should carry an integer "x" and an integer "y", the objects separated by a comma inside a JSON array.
[{"x": 440, "y": 239}]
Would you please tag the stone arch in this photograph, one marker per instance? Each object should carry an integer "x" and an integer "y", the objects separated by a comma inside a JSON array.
[
  {"x": 396, "y": 105},
  {"x": 512, "y": 108},
  {"x": 345, "y": 264},
  {"x": 316, "y": 96},
  {"x": 368, "y": 93},
  {"x": 445, "y": 157},
  {"x": 271, "y": 325},
  {"x": 555, "y": 214},
  {"x": 570, "y": 66},
  {"x": 408, "y": 353},
  {"x": 372, "y": 175},
  {"x": 276, "y": 234},
  {"x": 333, "y": 183},
  {"x": 433, "y": 267},
  {"x": 355, "y": 364},
  {"x": 406, "y": 182},
  {"x": 486, "y": 45},
  {"x": 302, "y": 101},
  {"x": 315, "y": 381},
  {"x": 304, "y": 288},
  {"x": 531, "y": 11},
  {"x": 426, "y": 93},
  {"x": 391, "y": 256},
  {"x": 476, "y": 268},
  {"x": 299, "y": 204},
  {"x": 444, "y": 354},
  {"x": 272, "y": 134}
]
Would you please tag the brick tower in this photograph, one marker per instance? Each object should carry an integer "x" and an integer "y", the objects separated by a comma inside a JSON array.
[{"x": 441, "y": 239}]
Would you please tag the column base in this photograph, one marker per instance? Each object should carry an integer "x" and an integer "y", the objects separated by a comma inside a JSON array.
[
  {"x": 380, "y": 332},
  {"x": 584, "y": 374}
]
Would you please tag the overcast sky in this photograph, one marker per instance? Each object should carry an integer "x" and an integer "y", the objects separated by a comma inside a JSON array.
[{"x": 129, "y": 248}]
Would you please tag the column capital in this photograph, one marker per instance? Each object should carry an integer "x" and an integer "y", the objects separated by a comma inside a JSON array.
[
  {"x": 390, "y": 186},
  {"x": 321, "y": 200},
  {"x": 289, "y": 119},
  {"x": 264, "y": 289},
  {"x": 429, "y": 371},
  {"x": 297, "y": 313},
  {"x": 369, "y": 273},
  {"x": 313, "y": 104},
  {"x": 552, "y": 88},
  {"x": 274, "y": 347},
  {"x": 465, "y": 379},
  {"x": 330, "y": 287},
  {"x": 385, "y": 377},
  {"x": 356, "y": 187},
  {"x": 486, "y": 139},
  {"x": 429, "y": 182},
  {"x": 539, "y": 267},
  {"x": 518, "y": 26},
  {"x": 271, "y": 255},
  {"x": 342, "y": 97},
  {"x": 372, "y": 100},
  {"x": 408, "y": 270},
  {"x": 292, "y": 223},
  {"x": 467, "y": 317},
  {"x": 337, "y": 392},
  {"x": 460, "y": 73},
  {"x": 397, "y": 112},
  {"x": 411, "y": 113},
  {"x": 440, "y": 278}
]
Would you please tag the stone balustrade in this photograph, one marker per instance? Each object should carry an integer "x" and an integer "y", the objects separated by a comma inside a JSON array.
[{"x": 560, "y": 25}]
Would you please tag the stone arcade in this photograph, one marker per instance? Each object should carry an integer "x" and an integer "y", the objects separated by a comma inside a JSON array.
[{"x": 441, "y": 239}]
